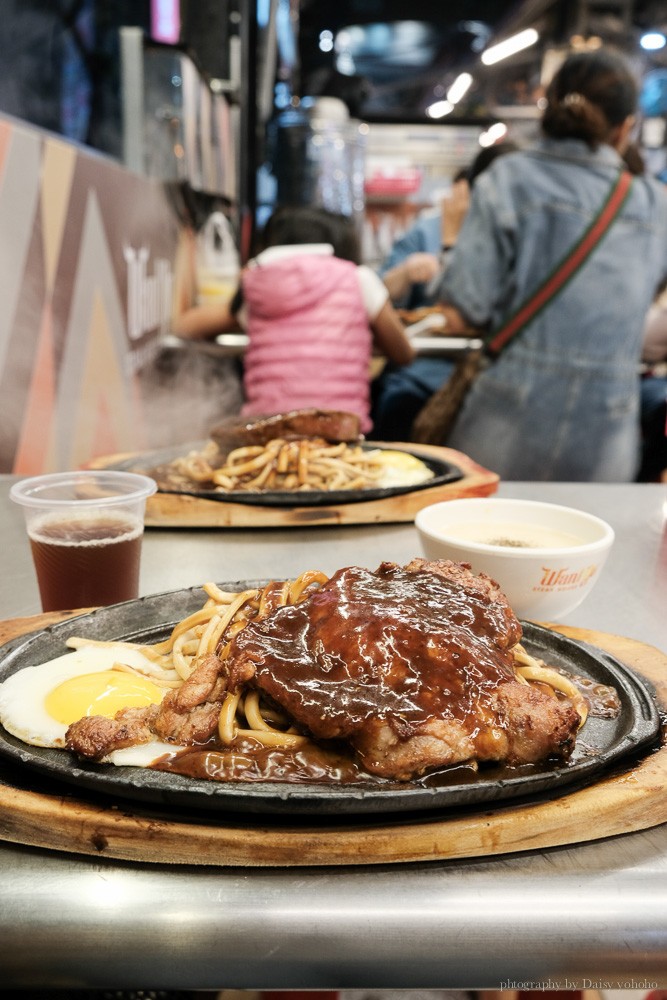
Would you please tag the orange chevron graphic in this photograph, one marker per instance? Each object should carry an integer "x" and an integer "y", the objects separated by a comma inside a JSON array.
[
  {"x": 33, "y": 448},
  {"x": 5, "y": 139},
  {"x": 106, "y": 417},
  {"x": 58, "y": 163}
]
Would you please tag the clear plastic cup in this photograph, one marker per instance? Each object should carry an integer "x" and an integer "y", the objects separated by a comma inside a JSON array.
[{"x": 85, "y": 530}]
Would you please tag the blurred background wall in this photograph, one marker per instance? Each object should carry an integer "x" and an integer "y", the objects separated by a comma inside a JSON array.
[{"x": 128, "y": 124}]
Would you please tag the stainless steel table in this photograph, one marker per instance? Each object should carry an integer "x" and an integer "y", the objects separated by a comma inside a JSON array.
[
  {"x": 234, "y": 345},
  {"x": 566, "y": 918}
]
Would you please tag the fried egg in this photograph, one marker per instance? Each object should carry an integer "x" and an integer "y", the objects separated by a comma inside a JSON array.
[
  {"x": 402, "y": 469},
  {"x": 38, "y": 704}
]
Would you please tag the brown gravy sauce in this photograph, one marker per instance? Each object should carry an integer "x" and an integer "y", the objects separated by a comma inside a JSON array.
[
  {"x": 315, "y": 764},
  {"x": 248, "y": 760},
  {"x": 398, "y": 645},
  {"x": 602, "y": 700}
]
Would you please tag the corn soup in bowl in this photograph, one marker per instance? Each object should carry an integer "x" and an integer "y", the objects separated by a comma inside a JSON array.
[{"x": 545, "y": 557}]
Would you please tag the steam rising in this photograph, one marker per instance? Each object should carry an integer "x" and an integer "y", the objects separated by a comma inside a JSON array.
[{"x": 186, "y": 392}]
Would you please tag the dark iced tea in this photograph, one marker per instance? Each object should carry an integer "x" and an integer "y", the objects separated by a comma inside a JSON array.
[{"x": 84, "y": 562}]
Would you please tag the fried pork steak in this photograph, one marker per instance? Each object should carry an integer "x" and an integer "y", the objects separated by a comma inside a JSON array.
[
  {"x": 332, "y": 425},
  {"x": 412, "y": 665},
  {"x": 188, "y": 714}
]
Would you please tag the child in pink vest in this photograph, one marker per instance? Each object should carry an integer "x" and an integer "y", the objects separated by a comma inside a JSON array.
[{"x": 313, "y": 316}]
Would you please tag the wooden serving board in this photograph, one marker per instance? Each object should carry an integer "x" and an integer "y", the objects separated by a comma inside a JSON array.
[
  {"x": 622, "y": 803},
  {"x": 177, "y": 510}
]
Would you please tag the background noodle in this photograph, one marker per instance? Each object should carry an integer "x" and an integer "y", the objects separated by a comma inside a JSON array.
[{"x": 307, "y": 464}]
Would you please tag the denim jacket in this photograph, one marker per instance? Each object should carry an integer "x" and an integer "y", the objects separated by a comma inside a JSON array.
[{"x": 562, "y": 400}]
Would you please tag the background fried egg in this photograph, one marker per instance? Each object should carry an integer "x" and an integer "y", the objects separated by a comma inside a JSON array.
[
  {"x": 37, "y": 704},
  {"x": 402, "y": 469}
]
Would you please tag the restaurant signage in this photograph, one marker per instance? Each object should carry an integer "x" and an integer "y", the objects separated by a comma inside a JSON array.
[{"x": 89, "y": 276}]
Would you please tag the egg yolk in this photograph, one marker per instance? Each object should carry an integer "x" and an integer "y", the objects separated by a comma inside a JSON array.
[
  {"x": 401, "y": 460},
  {"x": 103, "y": 693}
]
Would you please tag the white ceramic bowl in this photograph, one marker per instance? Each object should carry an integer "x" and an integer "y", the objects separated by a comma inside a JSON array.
[{"x": 545, "y": 557}]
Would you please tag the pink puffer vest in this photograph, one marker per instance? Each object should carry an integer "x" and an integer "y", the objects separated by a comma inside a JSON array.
[{"x": 309, "y": 337}]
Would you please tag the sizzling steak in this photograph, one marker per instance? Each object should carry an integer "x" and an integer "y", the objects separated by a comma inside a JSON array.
[
  {"x": 413, "y": 666},
  {"x": 332, "y": 425}
]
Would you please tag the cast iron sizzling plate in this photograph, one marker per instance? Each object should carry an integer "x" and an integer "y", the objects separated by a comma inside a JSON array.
[
  {"x": 149, "y": 464},
  {"x": 601, "y": 743}
]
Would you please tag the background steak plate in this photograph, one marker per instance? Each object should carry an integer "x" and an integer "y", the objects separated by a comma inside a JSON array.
[{"x": 443, "y": 472}]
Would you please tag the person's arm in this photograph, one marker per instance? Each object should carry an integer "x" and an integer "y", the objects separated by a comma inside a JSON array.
[
  {"x": 205, "y": 322},
  {"x": 478, "y": 275},
  {"x": 417, "y": 268},
  {"x": 654, "y": 348},
  {"x": 454, "y": 210},
  {"x": 389, "y": 336},
  {"x": 421, "y": 243}
]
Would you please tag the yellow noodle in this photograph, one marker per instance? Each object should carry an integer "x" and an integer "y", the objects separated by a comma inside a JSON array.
[
  {"x": 265, "y": 602},
  {"x": 198, "y": 618},
  {"x": 195, "y": 467},
  {"x": 253, "y": 715},
  {"x": 248, "y": 451},
  {"x": 227, "y": 728},
  {"x": 183, "y": 663},
  {"x": 170, "y": 682},
  {"x": 262, "y": 480},
  {"x": 78, "y": 642},
  {"x": 218, "y": 624},
  {"x": 302, "y": 464},
  {"x": 298, "y": 587},
  {"x": 204, "y": 645},
  {"x": 532, "y": 669},
  {"x": 257, "y": 717},
  {"x": 274, "y": 738},
  {"x": 222, "y": 596}
]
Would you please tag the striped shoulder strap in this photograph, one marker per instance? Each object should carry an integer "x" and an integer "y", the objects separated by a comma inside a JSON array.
[{"x": 567, "y": 268}]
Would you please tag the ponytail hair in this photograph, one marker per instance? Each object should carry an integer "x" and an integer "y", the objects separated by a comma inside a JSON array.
[{"x": 591, "y": 93}]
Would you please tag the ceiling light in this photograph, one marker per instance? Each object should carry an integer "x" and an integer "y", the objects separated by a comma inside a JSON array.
[
  {"x": 511, "y": 45},
  {"x": 439, "y": 109},
  {"x": 653, "y": 40},
  {"x": 459, "y": 88},
  {"x": 493, "y": 134}
]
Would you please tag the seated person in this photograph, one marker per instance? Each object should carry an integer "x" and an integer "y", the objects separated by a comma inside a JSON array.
[
  {"x": 416, "y": 258},
  {"x": 412, "y": 273},
  {"x": 313, "y": 316}
]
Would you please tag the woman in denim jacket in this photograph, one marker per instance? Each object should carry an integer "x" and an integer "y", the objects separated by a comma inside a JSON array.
[{"x": 562, "y": 400}]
